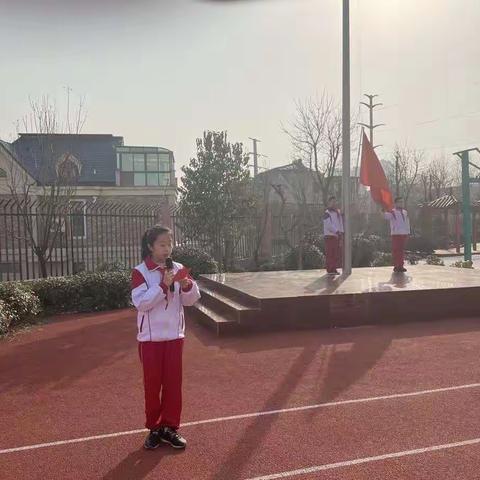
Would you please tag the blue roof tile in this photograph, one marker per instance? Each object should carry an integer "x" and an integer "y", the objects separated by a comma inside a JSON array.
[{"x": 96, "y": 154}]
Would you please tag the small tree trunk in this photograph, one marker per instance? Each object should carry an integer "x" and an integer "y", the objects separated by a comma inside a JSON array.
[
  {"x": 260, "y": 230},
  {"x": 229, "y": 253},
  {"x": 42, "y": 263},
  {"x": 216, "y": 249},
  {"x": 301, "y": 244},
  {"x": 300, "y": 257}
]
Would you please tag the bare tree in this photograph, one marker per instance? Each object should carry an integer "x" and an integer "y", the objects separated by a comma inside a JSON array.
[
  {"x": 316, "y": 137},
  {"x": 43, "y": 197},
  {"x": 406, "y": 165},
  {"x": 297, "y": 184},
  {"x": 437, "y": 177},
  {"x": 279, "y": 190}
]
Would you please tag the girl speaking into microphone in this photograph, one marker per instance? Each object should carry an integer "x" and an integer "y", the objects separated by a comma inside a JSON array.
[{"x": 160, "y": 290}]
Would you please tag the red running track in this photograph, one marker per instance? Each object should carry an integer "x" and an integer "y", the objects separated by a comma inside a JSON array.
[{"x": 80, "y": 377}]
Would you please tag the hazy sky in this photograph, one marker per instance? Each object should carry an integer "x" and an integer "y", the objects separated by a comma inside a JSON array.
[{"x": 160, "y": 72}]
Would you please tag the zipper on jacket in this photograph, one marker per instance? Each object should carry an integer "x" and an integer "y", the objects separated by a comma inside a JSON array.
[
  {"x": 149, "y": 326},
  {"x": 141, "y": 323}
]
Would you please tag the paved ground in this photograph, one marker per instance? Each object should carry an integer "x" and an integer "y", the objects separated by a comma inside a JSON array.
[
  {"x": 299, "y": 284},
  {"x": 396, "y": 402}
]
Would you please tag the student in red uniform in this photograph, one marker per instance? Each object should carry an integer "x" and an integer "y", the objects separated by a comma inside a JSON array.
[
  {"x": 161, "y": 330},
  {"x": 400, "y": 230},
  {"x": 333, "y": 234}
]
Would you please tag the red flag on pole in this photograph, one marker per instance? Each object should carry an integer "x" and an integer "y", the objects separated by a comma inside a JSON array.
[{"x": 373, "y": 176}]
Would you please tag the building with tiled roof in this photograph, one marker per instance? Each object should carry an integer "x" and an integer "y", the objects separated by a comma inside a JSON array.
[{"x": 103, "y": 165}]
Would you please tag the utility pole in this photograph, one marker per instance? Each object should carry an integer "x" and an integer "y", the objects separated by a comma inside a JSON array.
[
  {"x": 255, "y": 155},
  {"x": 371, "y": 126}
]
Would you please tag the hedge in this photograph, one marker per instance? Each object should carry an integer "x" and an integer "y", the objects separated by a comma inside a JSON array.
[
  {"x": 18, "y": 304},
  {"x": 199, "y": 261},
  {"x": 434, "y": 260},
  {"x": 462, "y": 264},
  {"x": 85, "y": 292},
  {"x": 22, "y": 302},
  {"x": 312, "y": 258},
  {"x": 419, "y": 244},
  {"x": 382, "y": 259},
  {"x": 5, "y": 317},
  {"x": 366, "y": 249},
  {"x": 106, "y": 289}
]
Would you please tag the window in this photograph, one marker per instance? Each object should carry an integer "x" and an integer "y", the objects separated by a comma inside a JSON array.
[
  {"x": 3, "y": 173},
  {"x": 127, "y": 162},
  {"x": 152, "y": 162},
  {"x": 164, "y": 179},
  {"x": 68, "y": 168},
  {"x": 139, "y": 162},
  {"x": 152, "y": 179},
  {"x": 148, "y": 169},
  {"x": 139, "y": 179},
  {"x": 164, "y": 162},
  {"x": 78, "y": 219}
]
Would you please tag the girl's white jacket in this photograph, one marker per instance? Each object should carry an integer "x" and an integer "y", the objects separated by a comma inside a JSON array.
[
  {"x": 160, "y": 312},
  {"x": 332, "y": 223},
  {"x": 399, "y": 221}
]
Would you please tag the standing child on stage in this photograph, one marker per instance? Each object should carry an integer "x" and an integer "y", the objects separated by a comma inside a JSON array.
[
  {"x": 333, "y": 234},
  {"x": 400, "y": 230},
  {"x": 161, "y": 330}
]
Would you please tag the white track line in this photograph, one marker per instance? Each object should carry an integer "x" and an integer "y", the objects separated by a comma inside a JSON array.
[
  {"x": 359, "y": 461},
  {"x": 249, "y": 415}
]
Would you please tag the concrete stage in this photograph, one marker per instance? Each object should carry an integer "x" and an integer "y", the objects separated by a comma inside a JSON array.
[{"x": 310, "y": 298}]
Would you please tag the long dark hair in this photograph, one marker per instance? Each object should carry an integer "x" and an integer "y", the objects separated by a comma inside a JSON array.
[{"x": 150, "y": 236}]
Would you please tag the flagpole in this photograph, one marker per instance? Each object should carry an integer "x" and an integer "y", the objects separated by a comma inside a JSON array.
[{"x": 347, "y": 250}]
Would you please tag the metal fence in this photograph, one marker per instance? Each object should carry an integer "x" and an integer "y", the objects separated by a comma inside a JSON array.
[
  {"x": 81, "y": 237},
  {"x": 87, "y": 235},
  {"x": 245, "y": 238},
  {"x": 288, "y": 230}
]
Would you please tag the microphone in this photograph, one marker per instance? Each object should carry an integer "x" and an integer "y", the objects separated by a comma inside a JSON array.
[{"x": 169, "y": 266}]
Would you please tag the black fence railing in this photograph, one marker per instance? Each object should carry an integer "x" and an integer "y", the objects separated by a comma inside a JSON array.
[
  {"x": 37, "y": 240},
  {"x": 240, "y": 244}
]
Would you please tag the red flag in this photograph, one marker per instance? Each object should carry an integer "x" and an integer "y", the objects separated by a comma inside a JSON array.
[{"x": 373, "y": 176}]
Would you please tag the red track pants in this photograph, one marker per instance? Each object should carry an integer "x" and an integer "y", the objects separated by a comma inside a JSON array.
[
  {"x": 162, "y": 373},
  {"x": 332, "y": 253},
  {"x": 398, "y": 250}
]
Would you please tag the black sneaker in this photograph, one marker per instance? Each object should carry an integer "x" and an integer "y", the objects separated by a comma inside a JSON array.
[
  {"x": 170, "y": 436},
  {"x": 403, "y": 270},
  {"x": 153, "y": 440}
]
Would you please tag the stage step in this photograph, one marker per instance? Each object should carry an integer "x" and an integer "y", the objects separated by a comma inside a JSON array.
[
  {"x": 224, "y": 309},
  {"x": 229, "y": 292},
  {"x": 211, "y": 319},
  {"x": 229, "y": 308}
]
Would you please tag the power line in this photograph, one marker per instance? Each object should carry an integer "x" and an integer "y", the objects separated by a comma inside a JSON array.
[{"x": 436, "y": 120}]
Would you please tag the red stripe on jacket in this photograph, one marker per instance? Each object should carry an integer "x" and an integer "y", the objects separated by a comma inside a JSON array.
[{"x": 137, "y": 279}]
